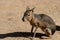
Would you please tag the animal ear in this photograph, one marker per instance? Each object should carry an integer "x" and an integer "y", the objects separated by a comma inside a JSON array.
[
  {"x": 27, "y": 8},
  {"x": 32, "y": 9}
]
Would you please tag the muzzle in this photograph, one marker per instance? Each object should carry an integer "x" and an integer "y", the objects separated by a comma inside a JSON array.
[{"x": 23, "y": 19}]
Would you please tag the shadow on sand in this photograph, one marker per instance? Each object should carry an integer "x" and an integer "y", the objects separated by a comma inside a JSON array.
[
  {"x": 24, "y": 34},
  {"x": 21, "y": 34}
]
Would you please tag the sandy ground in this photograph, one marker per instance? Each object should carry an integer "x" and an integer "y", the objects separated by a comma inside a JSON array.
[{"x": 11, "y": 12}]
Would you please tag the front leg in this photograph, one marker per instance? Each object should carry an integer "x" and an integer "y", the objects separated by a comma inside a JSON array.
[
  {"x": 34, "y": 33},
  {"x": 32, "y": 30}
]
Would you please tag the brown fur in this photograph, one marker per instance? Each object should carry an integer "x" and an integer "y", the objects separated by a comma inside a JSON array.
[{"x": 41, "y": 21}]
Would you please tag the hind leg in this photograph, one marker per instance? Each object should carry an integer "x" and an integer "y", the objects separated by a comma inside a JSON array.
[{"x": 48, "y": 32}]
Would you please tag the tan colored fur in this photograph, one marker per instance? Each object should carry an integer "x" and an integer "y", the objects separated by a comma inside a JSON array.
[{"x": 38, "y": 22}]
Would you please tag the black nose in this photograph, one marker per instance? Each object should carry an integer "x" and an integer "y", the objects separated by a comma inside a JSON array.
[{"x": 23, "y": 19}]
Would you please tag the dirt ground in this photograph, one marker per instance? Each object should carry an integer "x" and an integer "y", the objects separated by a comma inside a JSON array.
[{"x": 11, "y": 13}]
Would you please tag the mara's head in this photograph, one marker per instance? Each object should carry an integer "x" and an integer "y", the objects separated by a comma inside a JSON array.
[{"x": 28, "y": 14}]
